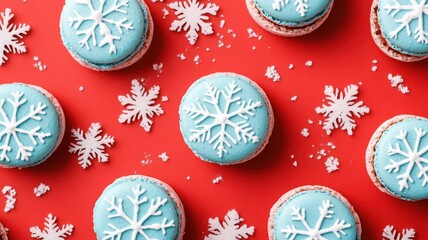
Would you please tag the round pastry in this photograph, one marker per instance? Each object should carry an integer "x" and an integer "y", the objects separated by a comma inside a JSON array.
[
  {"x": 106, "y": 35},
  {"x": 400, "y": 27},
  {"x": 137, "y": 207},
  {"x": 32, "y": 125},
  {"x": 313, "y": 212},
  {"x": 289, "y": 18},
  {"x": 3, "y": 233},
  {"x": 226, "y": 118},
  {"x": 397, "y": 157}
]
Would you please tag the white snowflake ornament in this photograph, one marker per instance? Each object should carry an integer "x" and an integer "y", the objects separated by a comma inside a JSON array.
[
  {"x": 192, "y": 17},
  {"x": 90, "y": 145},
  {"x": 340, "y": 109},
  {"x": 52, "y": 231},
  {"x": 389, "y": 233},
  {"x": 140, "y": 105},
  {"x": 301, "y": 5},
  {"x": 10, "y": 34},
  {"x": 229, "y": 229}
]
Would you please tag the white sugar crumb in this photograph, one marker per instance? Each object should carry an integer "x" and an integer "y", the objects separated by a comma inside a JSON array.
[
  {"x": 374, "y": 61},
  {"x": 254, "y": 48},
  {"x": 188, "y": 178},
  {"x": 10, "y": 194},
  {"x": 81, "y": 88},
  {"x": 222, "y": 23},
  {"x": 253, "y": 34},
  {"x": 38, "y": 64},
  {"x": 398, "y": 82},
  {"x": 271, "y": 73},
  {"x": 374, "y": 68},
  {"x": 291, "y": 66},
  {"x": 310, "y": 122},
  {"x": 305, "y": 132},
  {"x": 214, "y": 60},
  {"x": 295, "y": 163},
  {"x": 332, "y": 164},
  {"x": 321, "y": 153},
  {"x": 311, "y": 156},
  {"x": 217, "y": 180},
  {"x": 208, "y": 49},
  {"x": 331, "y": 145},
  {"x": 309, "y": 63},
  {"x": 155, "y": 1},
  {"x": 164, "y": 99},
  {"x": 293, "y": 98},
  {"x": 42, "y": 189},
  {"x": 181, "y": 56},
  {"x": 165, "y": 12},
  {"x": 158, "y": 67},
  {"x": 197, "y": 59},
  {"x": 147, "y": 159},
  {"x": 164, "y": 157},
  {"x": 292, "y": 156}
]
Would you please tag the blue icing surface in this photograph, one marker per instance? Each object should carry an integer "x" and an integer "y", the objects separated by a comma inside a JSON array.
[
  {"x": 49, "y": 125},
  {"x": 260, "y": 122},
  {"x": 122, "y": 189},
  {"x": 311, "y": 201},
  {"x": 130, "y": 42},
  {"x": 290, "y": 15},
  {"x": 416, "y": 190},
  {"x": 390, "y": 23}
]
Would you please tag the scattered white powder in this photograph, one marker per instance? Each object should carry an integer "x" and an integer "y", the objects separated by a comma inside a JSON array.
[
  {"x": 181, "y": 56},
  {"x": 222, "y": 23},
  {"x": 293, "y": 98},
  {"x": 217, "y": 180},
  {"x": 291, "y": 66},
  {"x": 253, "y": 34},
  {"x": 41, "y": 189},
  {"x": 197, "y": 59},
  {"x": 305, "y": 132},
  {"x": 165, "y": 12},
  {"x": 271, "y": 73},
  {"x": 332, "y": 164},
  {"x": 164, "y": 98},
  {"x": 309, "y": 63},
  {"x": 310, "y": 121},
  {"x": 10, "y": 195},
  {"x": 295, "y": 163},
  {"x": 38, "y": 64},
  {"x": 374, "y": 68},
  {"x": 164, "y": 157},
  {"x": 158, "y": 67},
  {"x": 81, "y": 88},
  {"x": 188, "y": 178},
  {"x": 398, "y": 82}
]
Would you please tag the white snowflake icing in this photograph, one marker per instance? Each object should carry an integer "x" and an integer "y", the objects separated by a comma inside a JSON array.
[
  {"x": 90, "y": 145},
  {"x": 301, "y": 5},
  {"x": 415, "y": 10},
  {"x": 332, "y": 164},
  {"x": 99, "y": 20},
  {"x": 52, "y": 231},
  {"x": 41, "y": 189},
  {"x": 340, "y": 109},
  {"x": 13, "y": 128},
  {"x": 10, "y": 34},
  {"x": 10, "y": 195},
  {"x": 192, "y": 17},
  {"x": 229, "y": 229},
  {"x": 237, "y": 120},
  {"x": 316, "y": 233},
  {"x": 412, "y": 158},
  {"x": 139, "y": 105},
  {"x": 137, "y": 225},
  {"x": 389, "y": 233}
]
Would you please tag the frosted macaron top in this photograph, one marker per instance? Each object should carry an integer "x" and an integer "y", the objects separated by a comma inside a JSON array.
[
  {"x": 404, "y": 25},
  {"x": 225, "y": 118},
  {"x": 30, "y": 126},
  {"x": 137, "y": 208},
  {"x": 314, "y": 214},
  {"x": 293, "y": 13},
  {"x": 401, "y": 159},
  {"x": 104, "y": 34}
]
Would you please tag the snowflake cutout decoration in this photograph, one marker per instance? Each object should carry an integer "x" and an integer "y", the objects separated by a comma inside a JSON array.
[
  {"x": 341, "y": 106},
  {"x": 414, "y": 11},
  {"x": 136, "y": 225},
  {"x": 237, "y": 120},
  {"x": 229, "y": 229},
  {"x": 316, "y": 233},
  {"x": 192, "y": 17},
  {"x": 9, "y": 35},
  {"x": 100, "y": 21},
  {"x": 13, "y": 130},
  {"x": 139, "y": 105},
  {"x": 51, "y": 230},
  {"x": 412, "y": 157},
  {"x": 90, "y": 145},
  {"x": 389, "y": 233},
  {"x": 301, "y": 5}
]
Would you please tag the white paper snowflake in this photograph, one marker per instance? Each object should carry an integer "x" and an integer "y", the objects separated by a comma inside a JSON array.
[
  {"x": 341, "y": 107},
  {"x": 389, "y": 233},
  {"x": 136, "y": 224},
  {"x": 99, "y": 20},
  {"x": 9, "y": 36},
  {"x": 414, "y": 11},
  {"x": 332, "y": 164},
  {"x": 13, "y": 128},
  {"x": 90, "y": 145},
  {"x": 229, "y": 229},
  {"x": 51, "y": 230},
  {"x": 412, "y": 157},
  {"x": 316, "y": 233},
  {"x": 10, "y": 195},
  {"x": 236, "y": 120},
  {"x": 192, "y": 17},
  {"x": 301, "y": 5},
  {"x": 139, "y": 105}
]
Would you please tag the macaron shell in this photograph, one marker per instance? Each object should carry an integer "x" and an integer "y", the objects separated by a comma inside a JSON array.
[{"x": 121, "y": 188}]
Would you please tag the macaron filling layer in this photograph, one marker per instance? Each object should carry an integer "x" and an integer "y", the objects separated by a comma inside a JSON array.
[
  {"x": 401, "y": 159},
  {"x": 104, "y": 35},
  {"x": 136, "y": 207},
  {"x": 404, "y": 25},
  {"x": 313, "y": 214},
  {"x": 224, "y": 118},
  {"x": 293, "y": 13},
  {"x": 30, "y": 126}
]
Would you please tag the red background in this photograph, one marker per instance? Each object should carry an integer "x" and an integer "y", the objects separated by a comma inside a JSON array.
[{"x": 342, "y": 51}]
